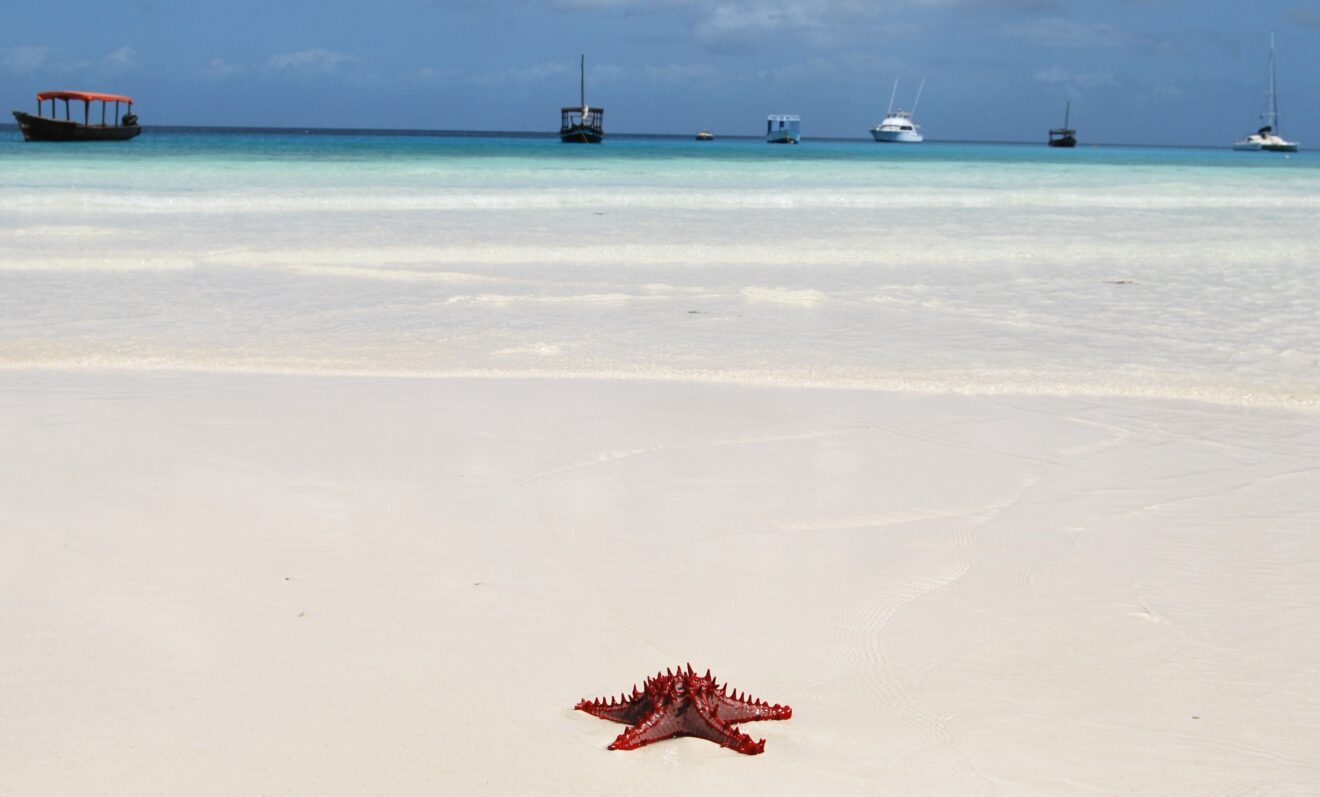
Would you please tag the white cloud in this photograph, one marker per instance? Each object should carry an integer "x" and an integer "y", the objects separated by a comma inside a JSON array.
[
  {"x": 1075, "y": 81},
  {"x": 1066, "y": 33},
  {"x": 311, "y": 61},
  {"x": 121, "y": 60},
  {"x": 429, "y": 74},
  {"x": 220, "y": 68},
  {"x": 745, "y": 21},
  {"x": 744, "y": 25},
  {"x": 526, "y": 74},
  {"x": 606, "y": 73},
  {"x": 597, "y": 5},
  {"x": 682, "y": 73},
  {"x": 22, "y": 59}
]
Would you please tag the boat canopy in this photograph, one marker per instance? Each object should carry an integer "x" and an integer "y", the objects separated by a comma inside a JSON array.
[{"x": 85, "y": 96}]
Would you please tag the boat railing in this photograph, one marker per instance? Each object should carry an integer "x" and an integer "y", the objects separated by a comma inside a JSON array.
[{"x": 593, "y": 118}]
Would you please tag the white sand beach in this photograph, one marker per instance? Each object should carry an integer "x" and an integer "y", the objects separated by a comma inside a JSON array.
[{"x": 239, "y": 584}]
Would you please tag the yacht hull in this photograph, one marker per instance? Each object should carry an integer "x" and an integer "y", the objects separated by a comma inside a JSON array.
[{"x": 897, "y": 137}]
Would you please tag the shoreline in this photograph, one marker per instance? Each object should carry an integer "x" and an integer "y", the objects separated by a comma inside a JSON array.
[{"x": 1307, "y": 405}]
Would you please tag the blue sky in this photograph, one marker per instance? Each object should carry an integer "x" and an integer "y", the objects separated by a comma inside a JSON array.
[{"x": 1136, "y": 71}]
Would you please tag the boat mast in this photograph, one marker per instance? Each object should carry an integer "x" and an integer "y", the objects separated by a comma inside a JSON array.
[
  {"x": 918, "y": 99},
  {"x": 892, "y": 94},
  {"x": 582, "y": 82},
  {"x": 1066, "y": 110},
  {"x": 1273, "y": 112}
]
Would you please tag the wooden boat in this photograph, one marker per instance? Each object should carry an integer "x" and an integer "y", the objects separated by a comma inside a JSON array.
[
  {"x": 51, "y": 128},
  {"x": 1063, "y": 136},
  {"x": 583, "y": 124}
]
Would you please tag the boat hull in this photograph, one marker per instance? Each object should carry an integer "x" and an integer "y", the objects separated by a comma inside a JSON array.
[
  {"x": 781, "y": 138},
  {"x": 1255, "y": 144},
  {"x": 897, "y": 136},
  {"x": 581, "y": 135},
  {"x": 40, "y": 128}
]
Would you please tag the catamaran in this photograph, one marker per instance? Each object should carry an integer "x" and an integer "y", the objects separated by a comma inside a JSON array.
[
  {"x": 583, "y": 124},
  {"x": 898, "y": 127},
  {"x": 1267, "y": 138}
]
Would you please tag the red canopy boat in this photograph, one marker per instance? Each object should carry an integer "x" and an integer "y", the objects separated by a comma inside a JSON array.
[{"x": 52, "y": 128}]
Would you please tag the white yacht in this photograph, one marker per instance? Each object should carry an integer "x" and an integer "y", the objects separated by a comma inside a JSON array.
[
  {"x": 1267, "y": 138},
  {"x": 898, "y": 127}
]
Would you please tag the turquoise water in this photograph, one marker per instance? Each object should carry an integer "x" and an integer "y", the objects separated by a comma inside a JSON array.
[
  {"x": 342, "y": 158},
  {"x": 1181, "y": 273}
]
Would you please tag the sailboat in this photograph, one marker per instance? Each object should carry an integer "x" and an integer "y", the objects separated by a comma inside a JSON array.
[
  {"x": 898, "y": 127},
  {"x": 1267, "y": 138},
  {"x": 582, "y": 124},
  {"x": 1063, "y": 136}
]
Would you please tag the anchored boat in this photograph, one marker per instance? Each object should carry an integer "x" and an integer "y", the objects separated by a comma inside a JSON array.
[
  {"x": 783, "y": 128},
  {"x": 898, "y": 127},
  {"x": 1267, "y": 138},
  {"x": 583, "y": 124},
  {"x": 1063, "y": 136},
  {"x": 51, "y": 128}
]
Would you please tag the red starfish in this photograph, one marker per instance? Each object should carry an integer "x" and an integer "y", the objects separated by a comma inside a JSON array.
[{"x": 684, "y": 704}]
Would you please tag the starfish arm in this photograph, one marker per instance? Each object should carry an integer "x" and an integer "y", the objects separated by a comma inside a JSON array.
[
  {"x": 661, "y": 723},
  {"x": 705, "y": 722},
  {"x": 735, "y": 708},
  {"x": 628, "y": 710}
]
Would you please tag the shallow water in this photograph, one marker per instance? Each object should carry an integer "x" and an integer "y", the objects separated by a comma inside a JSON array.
[{"x": 978, "y": 268}]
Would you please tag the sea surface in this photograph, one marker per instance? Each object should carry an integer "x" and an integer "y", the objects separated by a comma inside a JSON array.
[{"x": 941, "y": 267}]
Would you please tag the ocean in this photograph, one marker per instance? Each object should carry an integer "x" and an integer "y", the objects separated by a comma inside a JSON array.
[{"x": 943, "y": 267}]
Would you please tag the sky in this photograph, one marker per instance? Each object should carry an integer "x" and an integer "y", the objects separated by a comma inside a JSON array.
[{"x": 1164, "y": 72}]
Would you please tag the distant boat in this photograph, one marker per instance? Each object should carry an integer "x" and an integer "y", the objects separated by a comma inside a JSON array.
[
  {"x": 50, "y": 128},
  {"x": 705, "y": 135},
  {"x": 1267, "y": 138},
  {"x": 1063, "y": 136},
  {"x": 583, "y": 124},
  {"x": 783, "y": 128},
  {"x": 898, "y": 127}
]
